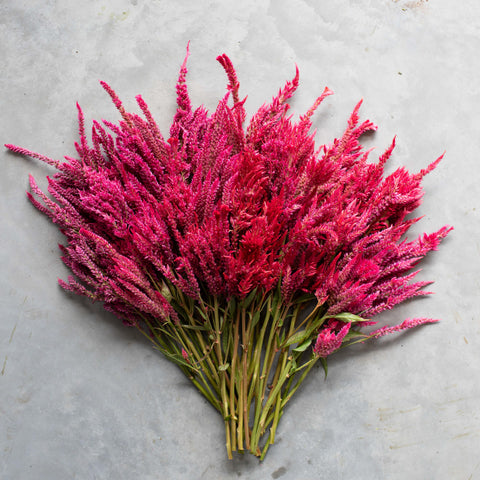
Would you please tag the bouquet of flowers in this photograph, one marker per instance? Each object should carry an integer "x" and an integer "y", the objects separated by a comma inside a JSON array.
[{"x": 244, "y": 253}]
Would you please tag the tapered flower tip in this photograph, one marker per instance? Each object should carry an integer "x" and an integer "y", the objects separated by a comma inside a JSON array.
[
  {"x": 187, "y": 54},
  {"x": 407, "y": 324},
  {"x": 29, "y": 153},
  {"x": 431, "y": 167},
  {"x": 318, "y": 101}
]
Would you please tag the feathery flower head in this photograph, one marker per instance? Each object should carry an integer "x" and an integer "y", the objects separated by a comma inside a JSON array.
[{"x": 330, "y": 338}]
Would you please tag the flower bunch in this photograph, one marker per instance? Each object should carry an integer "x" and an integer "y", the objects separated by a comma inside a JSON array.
[{"x": 245, "y": 254}]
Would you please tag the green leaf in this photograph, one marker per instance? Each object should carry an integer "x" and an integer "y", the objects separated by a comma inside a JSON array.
[
  {"x": 296, "y": 338},
  {"x": 325, "y": 365},
  {"x": 275, "y": 301},
  {"x": 228, "y": 312},
  {"x": 348, "y": 317},
  {"x": 306, "y": 297},
  {"x": 202, "y": 313},
  {"x": 303, "y": 335},
  {"x": 195, "y": 327},
  {"x": 293, "y": 368},
  {"x": 165, "y": 332},
  {"x": 222, "y": 368},
  {"x": 255, "y": 318},
  {"x": 249, "y": 299},
  {"x": 353, "y": 334},
  {"x": 303, "y": 346},
  {"x": 178, "y": 359}
]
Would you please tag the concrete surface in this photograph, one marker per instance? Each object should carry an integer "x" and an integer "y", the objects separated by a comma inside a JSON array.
[{"x": 82, "y": 397}]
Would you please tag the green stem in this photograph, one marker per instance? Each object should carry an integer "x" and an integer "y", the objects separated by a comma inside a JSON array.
[
  {"x": 221, "y": 366},
  {"x": 239, "y": 358},
  {"x": 278, "y": 410},
  {"x": 289, "y": 390},
  {"x": 255, "y": 375},
  {"x": 233, "y": 377},
  {"x": 243, "y": 428},
  {"x": 309, "y": 366},
  {"x": 262, "y": 381}
]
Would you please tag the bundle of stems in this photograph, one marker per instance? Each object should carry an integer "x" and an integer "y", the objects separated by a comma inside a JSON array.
[{"x": 247, "y": 357}]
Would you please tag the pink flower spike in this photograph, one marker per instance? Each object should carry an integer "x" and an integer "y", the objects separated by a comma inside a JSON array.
[
  {"x": 408, "y": 323},
  {"x": 328, "y": 341},
  {"x": 431, "y": 167},
  {"x": 318, "y": 101},
  {"x": 29, "y": 153}
]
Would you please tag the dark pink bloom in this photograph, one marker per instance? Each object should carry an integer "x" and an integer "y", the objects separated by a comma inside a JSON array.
[{"x": 330, "y": 338}]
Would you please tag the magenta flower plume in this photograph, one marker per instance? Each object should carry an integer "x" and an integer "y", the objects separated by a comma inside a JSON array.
[
  {"x": 408, "y": 323},
  {"x": 215, "y": 242},
  {"x": 329, "y": 340}
]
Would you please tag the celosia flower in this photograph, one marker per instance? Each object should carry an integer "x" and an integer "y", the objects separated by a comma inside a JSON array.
[
  {"x": 330, "y": 338},
  {"x": 214, "y": 240},
  {"x": 408, "y": 323}
]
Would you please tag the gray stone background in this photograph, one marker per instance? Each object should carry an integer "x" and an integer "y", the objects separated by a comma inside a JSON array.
[{"x": 82, "y": 397}]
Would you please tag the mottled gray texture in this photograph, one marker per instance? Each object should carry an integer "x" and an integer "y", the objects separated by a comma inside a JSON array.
[{"x": 82, "y": 397}]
